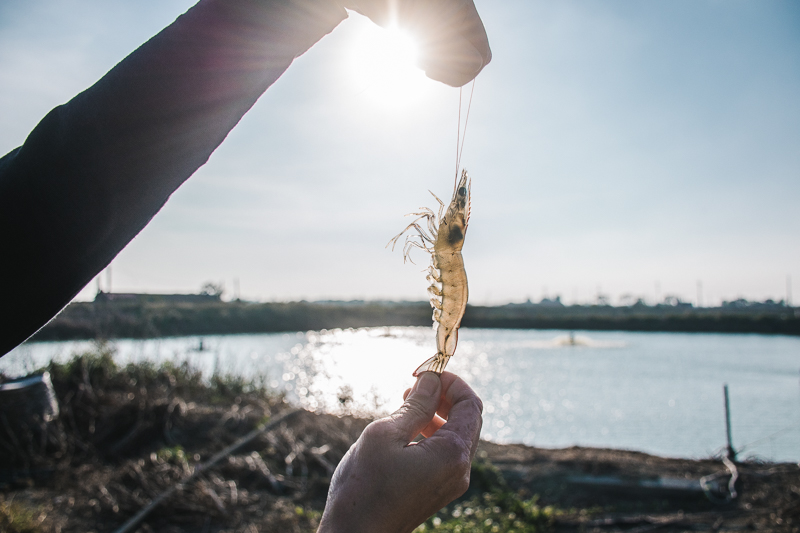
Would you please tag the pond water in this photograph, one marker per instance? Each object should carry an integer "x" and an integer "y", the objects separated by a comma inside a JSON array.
[{"x": 659, "y": 393}]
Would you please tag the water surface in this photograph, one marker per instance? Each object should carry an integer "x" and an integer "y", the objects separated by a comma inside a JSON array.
[{"x": 655, "y": 392}]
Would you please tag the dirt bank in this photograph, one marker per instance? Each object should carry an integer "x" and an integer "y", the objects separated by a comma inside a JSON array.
[{"x": 124, "y": 436}]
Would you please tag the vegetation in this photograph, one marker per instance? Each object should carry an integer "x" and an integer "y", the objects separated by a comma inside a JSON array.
[
  {"x": 112, "y": 411},
  {"x": 490, "y": 506},
  {"x": 17, "y": 518},
  {"x": 127, "y": 433},
  {"x": 124, "y": 429},
  {"x": 148, "y": 316},
  {"x": 493, "y": 512}
]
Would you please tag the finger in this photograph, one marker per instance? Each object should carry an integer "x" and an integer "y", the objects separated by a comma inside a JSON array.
[
  {"x": 433, "y": 426},
  {"x": 419, "y": 407},
  {"x": 464, "y": 415},
  {"x": 454, "y": 62},
  {"x": 455, "y": 46},
  {"x": 447, "y": 379}
]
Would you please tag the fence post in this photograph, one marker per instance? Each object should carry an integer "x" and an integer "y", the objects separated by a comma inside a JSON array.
[{"x": 730, "y": 452}]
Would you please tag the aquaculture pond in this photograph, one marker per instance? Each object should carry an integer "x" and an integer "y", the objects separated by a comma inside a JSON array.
[{"x": 660, "y": 393}]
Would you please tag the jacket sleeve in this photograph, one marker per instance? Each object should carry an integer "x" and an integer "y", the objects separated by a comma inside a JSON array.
[{"x": 95, "y": 170}]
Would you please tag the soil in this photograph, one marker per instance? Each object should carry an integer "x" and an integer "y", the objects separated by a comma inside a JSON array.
[
  {"x": 618, "y": 490},
  {"x": 123, "y": 438}
]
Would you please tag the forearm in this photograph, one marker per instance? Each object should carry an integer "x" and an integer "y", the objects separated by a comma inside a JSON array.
[{"x": 95, "y": 170}]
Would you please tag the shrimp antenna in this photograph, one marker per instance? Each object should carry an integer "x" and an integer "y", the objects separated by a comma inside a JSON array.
[{"x": 459, "y": 137}]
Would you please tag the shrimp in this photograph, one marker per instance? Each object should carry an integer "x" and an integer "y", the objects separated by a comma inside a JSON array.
[{"x": 448, "y": 279}]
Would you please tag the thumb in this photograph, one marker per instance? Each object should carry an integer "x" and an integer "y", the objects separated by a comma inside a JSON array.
[{"x": 420, "y": 406}]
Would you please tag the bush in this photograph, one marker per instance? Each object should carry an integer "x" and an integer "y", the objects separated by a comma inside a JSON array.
[
  {"x": 16, "y": 518},
  {"x": 493, "y": 512}
]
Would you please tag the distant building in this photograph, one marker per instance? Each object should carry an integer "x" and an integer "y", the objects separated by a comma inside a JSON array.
[
  {"x": 545, "y": 302},
  {"x": 741, "y": 303},
  {"x": 675, "y": 302},
  {"x": 166, "y": 298},
  {"x": 555, "y": 302}
]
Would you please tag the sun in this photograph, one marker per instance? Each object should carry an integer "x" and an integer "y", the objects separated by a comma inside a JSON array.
[{"x": 384, "y": 66}]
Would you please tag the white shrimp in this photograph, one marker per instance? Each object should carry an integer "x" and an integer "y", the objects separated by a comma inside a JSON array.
[{"x": 443, "y": 240}]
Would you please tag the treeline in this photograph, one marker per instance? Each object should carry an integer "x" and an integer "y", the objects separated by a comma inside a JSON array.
[
  {"x": 149, "y": 316},
  {"x": 636, "y": 318},
  {"x": 152, "y": 317}
]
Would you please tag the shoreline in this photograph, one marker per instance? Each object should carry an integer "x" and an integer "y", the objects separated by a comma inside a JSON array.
[
  {"x": 572, "y": 489},
  {"x": 154, "y": 316},
  {"x": 691, "y": 428},
  {"x": 124, "y": 435}
]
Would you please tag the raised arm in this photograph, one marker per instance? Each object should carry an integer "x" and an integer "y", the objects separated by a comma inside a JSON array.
[{"x": 95, "y": 170}]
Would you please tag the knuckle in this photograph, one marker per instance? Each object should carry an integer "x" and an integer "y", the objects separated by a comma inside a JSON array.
[
  {"x": 479, "y": 405},
  {"x": 455, "y": 448},
  {"x": 460, "y": 466},
  {"x": 375, "y": 432},
  {"x": 454, "y": 465},
  {"x": 461, "y": 485},
  {"x": 414, "y": 407},
  {"x": 464, "y": 464},
  {"x": 457, "y": 454}
]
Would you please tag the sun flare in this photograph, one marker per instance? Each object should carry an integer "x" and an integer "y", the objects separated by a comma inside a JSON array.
[{"x": 384, "y": 66}]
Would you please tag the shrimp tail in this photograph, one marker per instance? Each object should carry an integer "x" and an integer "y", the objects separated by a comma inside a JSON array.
[{"x": 436, "y": 364}]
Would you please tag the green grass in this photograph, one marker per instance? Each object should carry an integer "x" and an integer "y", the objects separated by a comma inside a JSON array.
[
  {"x": 493, "y": 508},
  {"x": 97, "y": 369},
  {"x": 17, "y": 518},
  {"x": 493, "y": 512}
]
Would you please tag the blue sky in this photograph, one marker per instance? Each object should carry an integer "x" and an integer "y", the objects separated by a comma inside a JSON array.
[{"x": 624, "y": 147}]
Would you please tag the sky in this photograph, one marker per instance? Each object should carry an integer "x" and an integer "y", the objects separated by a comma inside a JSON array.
[{"x": 631, "y": 149}]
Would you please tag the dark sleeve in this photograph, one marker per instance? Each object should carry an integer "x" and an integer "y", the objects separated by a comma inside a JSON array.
[{"x": 95, "y": 170}]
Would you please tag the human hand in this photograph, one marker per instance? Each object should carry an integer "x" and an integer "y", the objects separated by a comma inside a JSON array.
[
  {"x": 453, "y": 43},
  {"x": 384, "y": 484}
]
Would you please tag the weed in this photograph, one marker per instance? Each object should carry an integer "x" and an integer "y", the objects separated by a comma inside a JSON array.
[
  {"x": 16, "y": 518},
  {"x": 174, "y": 455},
  {"x": 492, "y": 512}
]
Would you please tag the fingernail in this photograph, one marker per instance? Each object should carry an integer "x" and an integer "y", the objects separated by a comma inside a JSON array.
[{"x": 428, "y": 383}]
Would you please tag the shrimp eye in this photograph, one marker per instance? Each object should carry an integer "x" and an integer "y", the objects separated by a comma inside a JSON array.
[{"x": 462, "y": 191}]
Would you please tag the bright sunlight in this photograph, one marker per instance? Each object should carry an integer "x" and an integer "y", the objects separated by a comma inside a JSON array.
[{"x": 384, "y": 67}]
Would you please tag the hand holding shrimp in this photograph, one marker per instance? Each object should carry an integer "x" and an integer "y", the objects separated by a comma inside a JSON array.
[
  {"x": 446, "y": 274},
  {"x": 385, "y": 484}
]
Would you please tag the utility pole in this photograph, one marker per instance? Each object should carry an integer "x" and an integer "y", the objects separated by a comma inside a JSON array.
[
  {"x": 699, "y": 293},
  {"x": 788, "y": 290}
]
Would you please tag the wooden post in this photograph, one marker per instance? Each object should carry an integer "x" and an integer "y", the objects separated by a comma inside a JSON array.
[{"x": 731, "y": 453}]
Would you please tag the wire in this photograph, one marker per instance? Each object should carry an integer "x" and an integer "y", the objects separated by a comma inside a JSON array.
[
  {"x": 466, "y": 121},
  {"x": 768, "y": 437},
  {"x": 459, "y": 137},
  {"x": 458, "y": 129}
]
